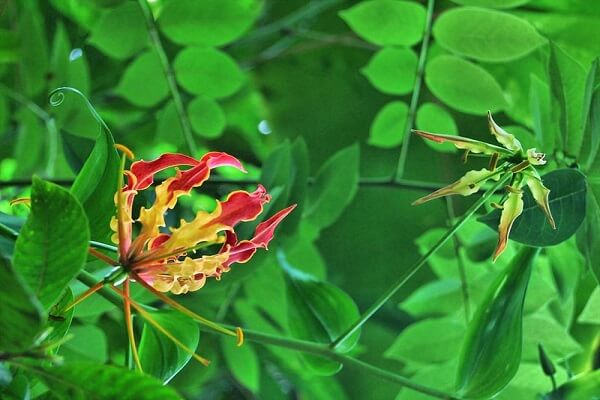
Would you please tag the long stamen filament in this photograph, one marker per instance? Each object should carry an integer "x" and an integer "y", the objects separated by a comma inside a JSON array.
[
  {"x": 156, "y": 256},
  {"x": 90, "y": 291},
  {"x": 102, "y": 257},
  {"x": 129, "y": 322},
  {"x": 146, "y": 315},
  {"x": 188, "y": 312}
]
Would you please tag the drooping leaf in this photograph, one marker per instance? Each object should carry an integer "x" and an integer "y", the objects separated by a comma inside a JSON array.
[
  {"x": 22, "y": 314},
  {"x": 207, "y": 22},
  {"x": 389, "y": 125},
  {"x": 486, "y": 35},
  {"x": 143, "y": 84},
  {"x": 491, "y": 351},
  {"x": 320, "y": 312},
  {"x": 567, "y": 202},
  {"x": 121, "y": 31},
  {"x": 160, "y": 357},
  {"x": 52, "y": 245},
  {"x": 387, "y": 22},
  {"x": 243, "y": 362},
  {"x": 334, "y": 188},
  {"x": 392, "y": 70},
  {"x": 206, "y": 117},
  {"x": 208, "y": 72},
  {"x": 101, "y": 382},
  {"x": 464, "y": 86},
  {"x": 96, "y": 184}
]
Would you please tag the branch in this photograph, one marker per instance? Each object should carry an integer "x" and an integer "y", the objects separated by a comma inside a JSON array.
[
  {"x": 414, "y": 101},
  {"x": 169, "y": 75},
  {"x": 417, "y": 265}
]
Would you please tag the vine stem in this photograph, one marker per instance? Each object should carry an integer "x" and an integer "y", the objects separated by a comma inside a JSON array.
[
  {"x": 170, "y": 76},
  {"x": 464, "y": 284},
  {"x": 418, "y": 264},
  {"x": 295, "y": 344},
  {"x": 414, "y": 101}
]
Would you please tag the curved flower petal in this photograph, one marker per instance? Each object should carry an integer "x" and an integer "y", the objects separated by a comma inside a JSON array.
[
  {"x": 463, "y": 143},
  {"x": 467, "y": 185},
  {"x": 503, "y": 137},
  {"x": 144, "y": 171},
  {"x": 536, "y": 158},
  {"x": 540, "y": 193},
  {"x": 513, "y": 207}
]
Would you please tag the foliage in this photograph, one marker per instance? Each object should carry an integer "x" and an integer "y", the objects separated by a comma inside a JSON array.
[{"x": 360, "y": 292}]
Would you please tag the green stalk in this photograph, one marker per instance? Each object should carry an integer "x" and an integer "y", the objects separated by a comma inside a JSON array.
[
  {"x": 8, "y": 232},
  {"x": 414, "y": 101},
  {"x": 417, "y": 265}
]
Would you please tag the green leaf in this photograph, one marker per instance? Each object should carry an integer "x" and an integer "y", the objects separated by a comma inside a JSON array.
[
  {"x": 320, "y": 312},
  {"x": 160, "y": 357},
  {"x": 22, "y": 314},
  {"x": 567, "y": 82},
  {"x": 33, "y": 65},
  {"x": 334, "y": 188},
  {"x": 463, "y": 85},
  {"x": 207, "y": 22},
  {"x": 486, "y": 35},
  {"x": 590, "y": 314},
  {"x": 545, "y": 330},
  {"x": 584, "y": 387},
  {"x": 206, "y": 117},
  {"x": 52, "y": 245},
  {"x": 428, "y": 341},
  {"x": 388, "y": 127},
  {"x": 434, "y": 118},
  {"x": 541, "y": 110},
  {"x": 81, "y": 380},
  {"x": 87, "y": 344},
  {"x": 143, "y": 84},
  {"x": 434, "y": 298},
  {"x": 567, "y": 202},
  {"x": 387, "y": 22},
  {"x": 591, "y": 119},
  {"x": 491, "y": 352},
  {"x": 59, "y": 320},
  {"x": 208, "y": 72},
  {"x": 121, "y": 32},
  {"x": 392, "y": 70},
  {"x": 96, "y": 184},
  {"x": 243, "y": 363},
  {"x": 492, "y": 3}
]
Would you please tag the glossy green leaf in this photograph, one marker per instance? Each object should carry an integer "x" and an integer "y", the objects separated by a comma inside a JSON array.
[
  {"x": 491, "y": 352},
  {"x": 58, "y": 319},
  {"x": 208, "y": 72},
  {"x": 434, "y": 118},
  {"x": 545, "y": 330},
  {"x": 591, "y": 119},
  {"x": 334, "y": 188},
  {"x": 590, "y": 314},
  {"x": 88, "y": 343},
  {"x": 96, "y": 184},
  {"x": 583, "y": 387},
  {"x": 389, "y": 125},
  {"x": 320, "y": 312},
  {"x": 206, "y": 117},
  {"x": 22, "y": 314},
  {"x": 464, "y": 86},
  {"x": 144, "y": 84},
  {"x": 79, "y": 381},
  {"x": 160, "y": 357},
  {"x": 33, "y": 48},
  {"x": 392, "y": 70},
  {"x": 52, "y": 245},
  {"x": 543, "y": 118},
  {"x": 243, "y": 362},
  {"x": 486, "y": 35},
  {"x": 121, "y": 32},
  {"x": 492, "y": 3},
  {"x": 207, "y": 22},
  {"x": 428, "y": 341},
  {"x": 567, "y": 202},
  {"x": 387, "y": 22}
]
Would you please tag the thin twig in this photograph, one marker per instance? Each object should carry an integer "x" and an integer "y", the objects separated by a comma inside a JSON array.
[
  {"x": 414, "y": 101},
  {"x": 464, "y": 285},
  {"x": 186, "y": 128}
]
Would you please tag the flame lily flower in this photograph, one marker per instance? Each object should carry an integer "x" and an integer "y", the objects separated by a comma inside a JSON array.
[
  {"x": 160, "y": 260},
  {"x": 513, "y": 160}
]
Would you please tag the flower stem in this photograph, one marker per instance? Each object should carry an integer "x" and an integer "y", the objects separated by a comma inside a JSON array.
[
  {"x": 414, "y": 101},
  {"x": 417, "y": 265},
  {"x": 8, "y": 232},
  {"x": 169, "y": 76}
]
